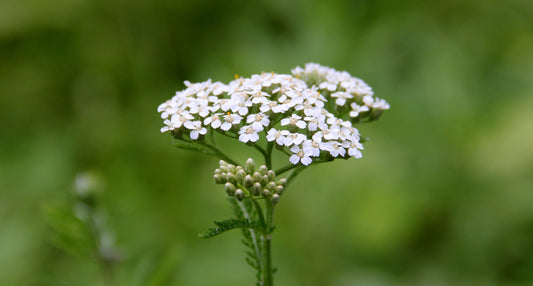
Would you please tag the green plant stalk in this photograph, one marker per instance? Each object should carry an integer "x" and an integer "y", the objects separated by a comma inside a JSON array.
[
  {"x": 252, "y": 232},
  {"x": 268, "y": 275}
]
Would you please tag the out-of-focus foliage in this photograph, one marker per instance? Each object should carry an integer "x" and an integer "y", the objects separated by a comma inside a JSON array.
[{"x": 443, "y": 195}]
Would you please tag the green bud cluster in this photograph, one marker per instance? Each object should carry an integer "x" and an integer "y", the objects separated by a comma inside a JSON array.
[{"x": 249, "y": 181}]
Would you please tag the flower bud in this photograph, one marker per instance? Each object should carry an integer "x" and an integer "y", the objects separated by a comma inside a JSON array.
[
  {"x": 223, "y": 166},
  {"x": 265, "y": 180},
  {"x": 232, "y": 178},
  {"x": 265, "y": 193},
  {"x": 224, "y": 177},
  {"x": 217, "y": 171},
  {"x": 263, "y": 170},
  {"x": 256, "y": 189},
  {"x": 258, "y": 177},
  {"x": 279, "y": 190},
  {"x": 271, "y": 175},
  {"x": 240, "y": 175},
  {"x": 230, "y": 189},
  {"x": 239, "y": 194},
  {"x": 248, "y": 181},
  {"x": 271, "y": 186},
  {"x": 250, "y": 166},
  {"x": 275, "y": 199},
  {"x": 230, "y": 168},
  {"x": 282, "y": 182},
  {"x": 218, "y": 179}
]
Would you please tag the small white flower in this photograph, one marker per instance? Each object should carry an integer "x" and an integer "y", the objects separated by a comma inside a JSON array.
[
  {"x": 311, "y": 147},
  {"x": 248, "y": 134},
  {"x": 354, "y": 149},
  {"x": 258, "y": 121},
  {"x": 218, "y": 88},
  {"x": 214, "y": 120},
  {"x": 312, "y": 123},
  {"x": 299, "y": 155},
  {"x": 196, "y": 129},
  {"x": 260, "y": 97},
  {"x": 341, "y": 97},
  {"x": 241, "y": 107},
  {"x": 295, "y": 139},
  {"x": 331, "y": 86},
  {"x": 226, "y": 104},
  {"x": 279, "y": 135},
  {"x": 330, "y": 133},
  {"x": 200, "y": 109},
  {"x": 380, "y": 104},
  {"x": 268, "y": 106},
  {"x": 179, "y": 119},
  {"x": 338, "y": 122},
  {"x": 230, "y": 120},
  {"x": 294, "y": 120},
  {"x": 356, "y": 109},
  {"x": 368, "y": 100},
  {"x": 336, "y": 149}
]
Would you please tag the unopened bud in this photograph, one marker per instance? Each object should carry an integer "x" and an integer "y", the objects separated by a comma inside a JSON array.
[
  {"x": 232, "y": 178},
  {"x": 240, "y": 175},
  {"x": 256, "y": 189},
  {"x": 230, "y": 168},
  {"x": 230, "y": 189},
  {"x": 248, "y": 181},
  {"x": 275, "y": 199},
  {"x": 265, "y": 180},
  {"x": 250, "y": 166},
  {"x": 218, "y": 179},
  {"x": 271, "y": 175},
  {"x": 263, "y": 170},
  {"x": 265, "y": 193},
  {"x": 257, "y": 177},
  {"x": 217, "y": 171},
  {"x": 282, "y": 182},
  {"x": 224, "y": 177},
  {"x": 271, "y": 186},
  {"x": 239, "y": 194},
  {"x": 279, "y": 190}
]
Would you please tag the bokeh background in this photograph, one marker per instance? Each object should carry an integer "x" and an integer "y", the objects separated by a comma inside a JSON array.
[{"x": 443, "y": 195}]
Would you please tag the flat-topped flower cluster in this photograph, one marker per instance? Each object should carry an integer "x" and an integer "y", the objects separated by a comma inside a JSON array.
[{"x": 308, "y": 114}]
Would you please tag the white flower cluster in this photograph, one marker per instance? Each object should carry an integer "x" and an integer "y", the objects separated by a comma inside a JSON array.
[{"x": 302, "y": 113}]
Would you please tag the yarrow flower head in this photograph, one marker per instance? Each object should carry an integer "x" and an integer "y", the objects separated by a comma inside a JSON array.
[{"x": 308, "y": 114}]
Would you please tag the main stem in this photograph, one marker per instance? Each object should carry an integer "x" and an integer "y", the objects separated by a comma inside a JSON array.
[{"x": 268, "y": 275}]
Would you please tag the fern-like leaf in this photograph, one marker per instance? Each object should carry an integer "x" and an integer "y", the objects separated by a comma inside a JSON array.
[{"x": 229, "y": 224}]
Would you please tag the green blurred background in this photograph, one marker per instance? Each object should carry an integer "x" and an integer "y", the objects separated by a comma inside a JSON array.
[{"x": 443, "y": 195}]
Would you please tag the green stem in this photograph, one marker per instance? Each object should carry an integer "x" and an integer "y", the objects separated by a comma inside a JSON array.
[
  {"x": 268, "y": 275},
  {"x": 293, "y": 175},
  {"x": 219, "y": 153},
  {"x": 285, "y": 169},
  {"x": 252, "y": 232},
  {"x": 259, "y": 213},
  {"x": 268, "y": 157}
]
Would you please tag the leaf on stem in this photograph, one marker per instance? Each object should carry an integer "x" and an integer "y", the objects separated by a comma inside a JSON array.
[{"x": 229, "y": 224}]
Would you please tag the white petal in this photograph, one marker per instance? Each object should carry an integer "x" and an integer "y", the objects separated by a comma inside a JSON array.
[
  {"x": 294, "y": 159},
  {"x": 194, "y": 135},
  {"x": 306, "y": 160}
]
